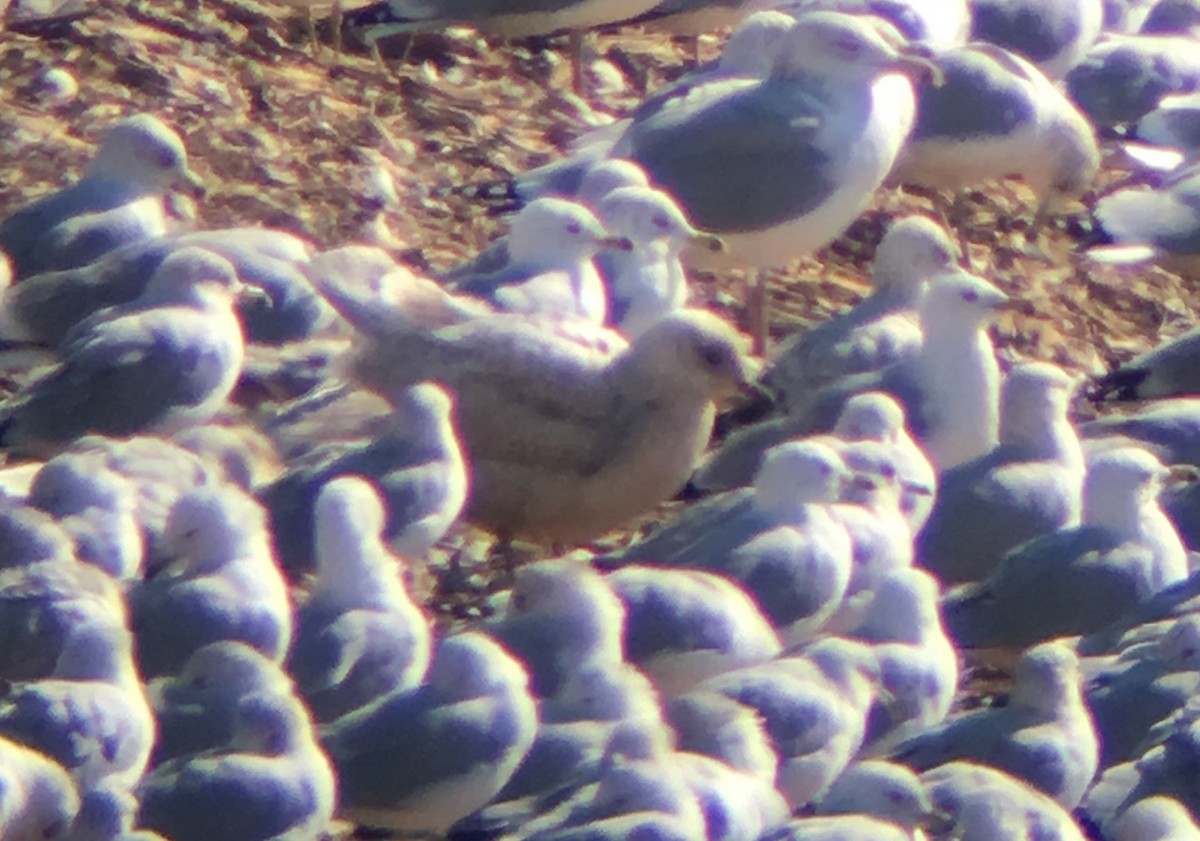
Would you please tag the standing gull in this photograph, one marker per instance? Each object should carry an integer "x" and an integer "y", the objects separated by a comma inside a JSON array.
[
  {"x": 139, "y": 158},
  {"x": 1053, "y": 34},
  {"x": 1146, "y": 224}
]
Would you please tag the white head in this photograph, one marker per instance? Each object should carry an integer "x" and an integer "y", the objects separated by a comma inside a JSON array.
[
  {"x": 797, "y": 473},
  {"x": 850, "y": 665},
  {"x": 605, "y": 692},
  {"x": 212, "y": 525},
  {"x": 607, "y": 175},
  {"x": 1036, "y": 397},
  {"x": 846, "y": 48},
  {"x": 914, "y": 249},
  {"x": 192, "y": 274},
  {"x": 904, "y": 608},
  {"x": 882, "y": 790},
  {"x": 1179, "y": 648},
  {"x": 354, "y": 567},
  {"x": 221, "y": 672},
  {"x": 754, "y": 45},
  {"x": 555, "y": 232},
  {"x": 876, "y": 481},
  {"x": 958, "y": 302},
  {"x": 270, "y": 725},
  {"x": 871, "y": 416},
  {"x": 71, "y": 483},
  {"x": 1047, "y": 679},
  {"x": 145, "y": 151},
  {"x": 425, "y": 415},
  {"x": 471, "y": 665},
  {"x": 1120, "y": 483},
  {"x": 645, "y": 216},
  {"x": 1157, "y": 818},
  {"x": 1074, "y": 159},
  {"x": 98, "y": 650}
]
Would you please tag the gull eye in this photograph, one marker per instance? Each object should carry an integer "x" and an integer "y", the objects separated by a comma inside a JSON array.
[
  {"x": 166, "y": 159},
  {"x": 848, "y": 46},
  {"x": 712, "y": 356},
  {"x": 574, "y": 228},
  {"x": 662, "y": 223},
  {"x": 970, "y": 296}
]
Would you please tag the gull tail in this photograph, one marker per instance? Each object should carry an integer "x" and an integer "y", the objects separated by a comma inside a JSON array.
[{"x": 1120, "y": 384}]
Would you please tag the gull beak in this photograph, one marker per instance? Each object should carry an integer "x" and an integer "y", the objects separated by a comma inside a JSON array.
[
  {"x": 254, "y": 296},
  {"x": 917, "y": 63},
  {"x": 916, "y": 488},
  {"x": 863, "y": 482},
  {"x": 191, "y": 183},
  {"x": 708, "y": 242},
  {"x": 615, "y": 243},
  {"x": 938, "y": 821}
]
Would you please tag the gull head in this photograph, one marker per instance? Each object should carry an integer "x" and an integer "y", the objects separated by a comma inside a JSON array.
[
  {"x": 1073, "y": 157},
  {"x": 1180, "y": 646},
  {"x": 607, "y": 175},
  {"x": 221, "y": 670},
  {"x": 753, "y": 47},
  {"x": 472, "y": 665},
  {"x": 1119, "y": 484},
  {"x": 849, "y": 48},
  {"x": 880, "y": 789},
  {"x": 1047, "y": 678},
  {"x": 269, "y": 725},
  {"x": 604, "y": 692},
  {"x": 913, "y": 250},
  {"x": 425, "y": 414},
  {"x": 558, "y": 232},
  {"x": 796, "y": 473},
  {"x": 871, "y": 416},
  {"x": 905, "y": 607},
  {"x": 193, "y": 275},
  {"x": 876, "y": 479},
  {"x": 71, "y": 483},
  {"x": 1153, "y": 817},
  {"x": 959, "y": 299},
  {"x": 348, "y": 511},
  {"x": 1034, "y": 401},
  {"x": 144, "y": 151},
  {"x": 646, "y": 216},
  {"x": 695, "y": 352},
  {"x": 212, "y": 525}
]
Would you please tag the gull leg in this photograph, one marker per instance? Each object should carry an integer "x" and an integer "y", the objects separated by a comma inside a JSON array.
[
  {"x": 757, "y": 310},
  {"x": 335, "y": 20},
  {"x": 575, "y": 46}
]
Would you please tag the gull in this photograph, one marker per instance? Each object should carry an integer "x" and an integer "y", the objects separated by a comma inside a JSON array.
[
  {"x": 220, "y": 583},
  {"x": 97, "y": 508},
  {"x": 1147, "y": 683},
  {"x": 779, "y": 538},
  {"x": 414, "y": 458},
  {"x": 1055, "y": 36},
  {"x": 1168, "y": 428},
  {"x": 238, "y": 452},
  {"x": 647, "y": 282},
  {"x": 736, "y": 806},
  {"x": 168, "y": 360},
  {"x": 107, "y": 813},
  {"x": 683, "y": 626},
  {"x": 1122, "y": 79},
  {"x": 271, "y": 780},
  {"x": 1078, "y": 580},
  {"x": 464, "y": 733},
  {"x": 828, "y": 121},
  {"x": 29, "y": 536},
  {"x": 1044, "y": 736},
  {"x": 1031, "y": 484},
  {"x": 91, "y": 714},
  {"x": 1174, "y": 126},
  {"x": 1153, "y": 225},
  {"x": 195, "y": 709},
  {"x": 707, "y": 722},
  {"x": 985, "y": 802},
  {"x": 44, "y": 307},
  {"x": 568, "y": 433},
  {"x": 38, "y": 798},
  {"x": 950, "y": 388},
  {"x": 138, "y": 160},
  {"x": 360, "y": 635},
  {"x": 993, "y": 116},
  {"x": 931, "y": 22},
  {"x": 886, "y": 791},
  {"x": 918, "y": 666},
  {"x": 1156, "y": 819},
  {"x": 550, "y": 270},
  {"x": 814, "y": 709},
  {"x": 560, "y": 617},
  {"x": 880, "y": 329},
  {"x": 1165, "y": 371}
]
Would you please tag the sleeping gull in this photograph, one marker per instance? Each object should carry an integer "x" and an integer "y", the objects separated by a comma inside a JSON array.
[
  {"x": 937, "y": 23},
  {"x": 708, "y": 722},
  {"x": 883, "y": 790},
  {"x": 568, "y": 435},
  {"x": 880, "y": 329},
  {"x": 1156, "y": 818},
  {"x": 1030, "y": 485},
  {"x": 359, "y": 635},
  {"x": 195, "y": 709},
  {"x": 138, "y": 160},
  {"x": 167, "y": 360},
  {"x": 1168, "y": 428},
  {"x": 560, "y": 617},
  {"x": 414, "y": 458},
  {"x": 37, "y": 797},
  {"x": 1054, "y": 35},
  {"x": 220, "y": 583},
  {"x": 984, "y": 802},
  {"x": 779, "y": 538},
  {"x": 1044, "y": 736},
  {"x": 950, "y": 388},
  {"x": 1164, "y": 371},
  {"x": 271, "y": 780},
  {"x": 1147, "y": 224},
  {"x": 1123, "y": 79},
  {"x": 464, "y": 732},
  {"x": 1078, "y": 580},
  {"x": 996, "y": 115},
  {"x": 550, "y": 271},
  {"x": 683, "y": 625}
]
